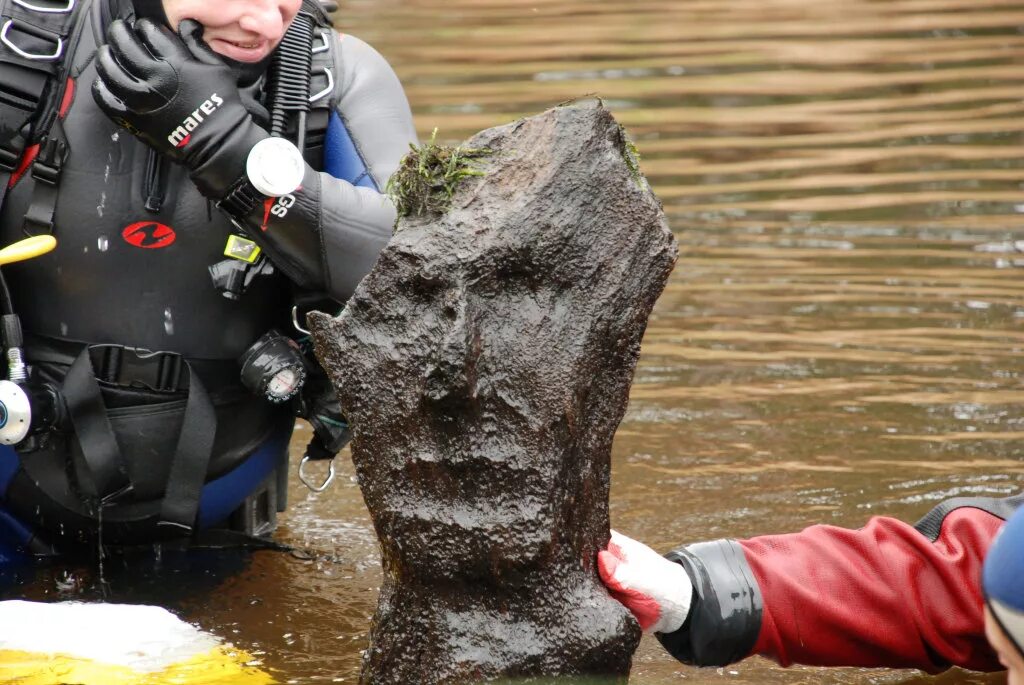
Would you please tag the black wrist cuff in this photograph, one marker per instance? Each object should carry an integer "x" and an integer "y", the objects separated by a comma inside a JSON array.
[
  {"x": 241, "y": 199},
  {"x": 725, "y": 615},
  {"x": 224, "y": 166}
]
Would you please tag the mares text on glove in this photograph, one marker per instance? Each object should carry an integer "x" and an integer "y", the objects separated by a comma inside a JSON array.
[{"x": 177, "y": 95}]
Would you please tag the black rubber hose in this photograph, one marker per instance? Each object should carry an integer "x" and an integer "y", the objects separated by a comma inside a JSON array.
[
  {"x": 288, "y": 78},
  {"x": 5, "y": 296}
]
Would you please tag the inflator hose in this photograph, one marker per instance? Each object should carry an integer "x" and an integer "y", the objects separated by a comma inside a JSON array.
[{"x": 288, "y": 78}]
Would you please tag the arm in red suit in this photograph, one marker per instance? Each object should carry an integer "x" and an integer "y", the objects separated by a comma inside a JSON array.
[
  {"x": 884, "y": 595},
  {"x": 888, "y": 595}
]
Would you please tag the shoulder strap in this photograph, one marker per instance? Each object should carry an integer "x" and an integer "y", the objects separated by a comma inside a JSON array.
[
  {"x": 35, "y": 39},
  {"x": 325, "y": 69},
  {"x": 50, "y": 149},
  {"x": 321, "y": 11},
  {"x": 1001, "y": 507}
]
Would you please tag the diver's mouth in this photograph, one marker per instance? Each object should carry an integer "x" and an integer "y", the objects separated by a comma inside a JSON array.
[{"x": 241, "y": 50}]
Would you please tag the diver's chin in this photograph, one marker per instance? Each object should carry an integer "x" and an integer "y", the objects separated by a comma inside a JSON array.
[{"x": 248, "y": 73}]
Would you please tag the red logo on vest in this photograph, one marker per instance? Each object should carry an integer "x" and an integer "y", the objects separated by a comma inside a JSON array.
[{"x": 149, "y": 235}]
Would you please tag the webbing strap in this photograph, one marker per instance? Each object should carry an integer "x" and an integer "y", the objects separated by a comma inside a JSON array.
[
  {"x": 222, "y": 538},
  {"x": 1001, "y": 507},
  {"x": 318, "y": 11},
  {"x": 35, "y": 40},
  {"x": 106, "y": 464},
  {"x": 46, "y": 171},
  {"x": 5, "y": 180},
  {"x": 107, "y": 472},
  {"x": 33, "y": 47},
  {"x": 191, "y": 459},
  {"x": 22, "y": 88},
  {"x": 21, "y": 91}
]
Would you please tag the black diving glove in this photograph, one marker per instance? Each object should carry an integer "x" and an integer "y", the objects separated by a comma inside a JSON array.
[{"x": 178, "y": 96}]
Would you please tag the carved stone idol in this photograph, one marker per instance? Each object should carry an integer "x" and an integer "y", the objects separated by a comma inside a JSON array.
[{"x": 485, "y": 364}]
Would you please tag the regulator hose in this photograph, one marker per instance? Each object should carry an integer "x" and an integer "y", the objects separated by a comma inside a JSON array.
[
  {"x": 6, "y": 303},
  {"x": 288, "y": 78}
]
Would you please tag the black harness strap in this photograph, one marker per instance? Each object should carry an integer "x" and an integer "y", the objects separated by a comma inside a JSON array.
[
  {"x": 95, "y": 436},
  {"x": 35, "y": 38},
  {"x": 221, "y": 538},
  {"x": 1001, "y": 507},
  {"x": 191, "y": 459},
  {"x": 46, "y": 170},
  {"x": 21, "y": 90},
  {"x": 107, "y": 467},
  {"x": 53, "y": 144}
]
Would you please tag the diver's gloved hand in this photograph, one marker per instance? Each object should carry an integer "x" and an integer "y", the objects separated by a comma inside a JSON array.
[
  {"x": 174, "y": 93},
  {"x": 656, "y": 590}
]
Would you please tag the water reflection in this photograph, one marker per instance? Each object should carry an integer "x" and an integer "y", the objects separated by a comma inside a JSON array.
[{"x": 841, "y": 337}]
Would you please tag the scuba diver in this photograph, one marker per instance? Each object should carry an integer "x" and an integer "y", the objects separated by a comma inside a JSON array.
[
  {"x": 210, "y": 171},
  {"x": 886, "y": 595}
]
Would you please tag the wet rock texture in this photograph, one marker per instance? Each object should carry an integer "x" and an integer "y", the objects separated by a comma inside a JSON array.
[{"x": 485, "y": 364}]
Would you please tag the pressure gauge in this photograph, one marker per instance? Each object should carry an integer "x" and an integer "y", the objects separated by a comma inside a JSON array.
[
  {"x": 285, "y": 383},
  {"x": 15, "y": 413},
  {"x": 274, "y": 368}
]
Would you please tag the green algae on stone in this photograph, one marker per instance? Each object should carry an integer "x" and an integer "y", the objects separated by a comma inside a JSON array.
[
  {"x": 631, "y": 154},
  {"x": 428, "y": 176}
]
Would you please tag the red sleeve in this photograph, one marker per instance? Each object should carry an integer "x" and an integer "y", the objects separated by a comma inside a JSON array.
[{"x": 884, "y": 595}]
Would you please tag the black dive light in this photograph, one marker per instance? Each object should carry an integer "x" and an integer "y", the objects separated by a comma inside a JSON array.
[{"x": 274, "y": 367}]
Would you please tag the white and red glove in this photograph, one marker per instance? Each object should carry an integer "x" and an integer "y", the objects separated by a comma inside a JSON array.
[{"x": 656, "y": 590}]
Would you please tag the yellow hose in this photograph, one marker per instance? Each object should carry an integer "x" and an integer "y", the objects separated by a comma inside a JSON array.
[{"x": 27, "y": 249}]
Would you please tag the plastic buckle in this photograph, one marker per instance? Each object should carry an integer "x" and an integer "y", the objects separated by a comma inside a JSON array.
[
  {"x": 38, "y": 33},
  {"x": 49, "y": 162},
  {"x": 168, "y": 370},
  {"x": 47, "y": 10},
  {"x": 159, "y": 371}
]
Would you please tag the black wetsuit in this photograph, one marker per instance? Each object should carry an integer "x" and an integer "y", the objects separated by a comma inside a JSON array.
[{"x": 126, "y": 275}]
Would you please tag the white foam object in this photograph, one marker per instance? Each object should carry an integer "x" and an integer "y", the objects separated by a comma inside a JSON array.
[{"x": 144, "y": 638}]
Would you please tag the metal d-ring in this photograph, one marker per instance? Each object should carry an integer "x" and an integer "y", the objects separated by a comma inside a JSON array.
[
  {"x": 295, "y": 321},
  {"x": 48, "y": 10},
  {"x": 28, "y": 55},
  {"x": 326, "y": 91},
  {"x": 315, "y": 488},
  {"x": 317, "y": 49}
]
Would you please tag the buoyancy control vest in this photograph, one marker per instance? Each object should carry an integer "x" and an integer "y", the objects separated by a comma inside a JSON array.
[{"x": 125, "y": 307}]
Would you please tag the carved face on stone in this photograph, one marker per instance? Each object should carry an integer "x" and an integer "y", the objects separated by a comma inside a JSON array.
[
  {"x": 481, "y": 440},
  {"x": 499, "y": 350},
  {"x": 485, "y": 363}
]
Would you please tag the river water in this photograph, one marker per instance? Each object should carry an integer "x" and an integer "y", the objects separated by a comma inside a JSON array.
[{"x": 842, "y": 336}]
